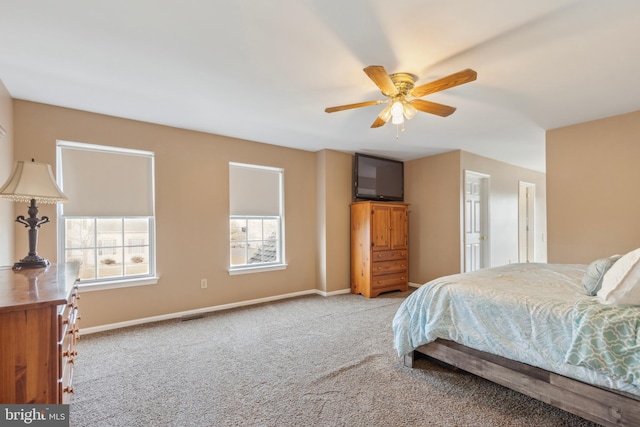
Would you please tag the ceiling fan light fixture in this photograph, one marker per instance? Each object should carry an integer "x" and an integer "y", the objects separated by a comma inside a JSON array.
[
  {"x": 397, "y": 109},
  {"x": 385, "y": 114},
  {"x": 409, "y": 110},
  {"x": 397, "y": 113}
]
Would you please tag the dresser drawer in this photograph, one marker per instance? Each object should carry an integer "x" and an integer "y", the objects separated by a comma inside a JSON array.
[
  {"x": 389, "y": 280},
  {"x": 70, "y": 333},
  {"x": 388, "y": 255},
  {"x": 68, "y": 326},
  {"x": 69, "y": 330},
  {"x": 65, "y": 385},
  {"x": 388, "y": 267}
]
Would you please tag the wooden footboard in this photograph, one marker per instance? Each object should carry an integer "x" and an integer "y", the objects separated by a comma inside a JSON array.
[{"x": 592, "y": 403}]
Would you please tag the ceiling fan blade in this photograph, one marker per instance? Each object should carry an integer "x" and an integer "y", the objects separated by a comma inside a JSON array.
[
  {"x": 432, "y": 107},
  {"x": 350, "y": 106},
  {"x": 379, "y": 75},
  {"x": 378, "y": 123},
  {"x": 461, "y": 77}
]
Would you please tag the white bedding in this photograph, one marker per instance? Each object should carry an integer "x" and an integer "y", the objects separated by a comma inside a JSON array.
[{"x": 519, "y": 311}]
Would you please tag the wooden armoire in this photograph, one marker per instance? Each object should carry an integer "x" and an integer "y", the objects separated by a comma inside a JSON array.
[{"x": 379, "y": 247}]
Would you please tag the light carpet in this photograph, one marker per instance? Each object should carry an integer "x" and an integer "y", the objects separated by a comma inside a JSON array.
[{"x": 308, "y": 361}]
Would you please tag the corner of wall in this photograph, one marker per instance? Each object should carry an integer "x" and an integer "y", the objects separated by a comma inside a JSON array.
[
  {"x": 7, "y": 229},
  {"x": 321, "y": 218},
  {"x": 333, "y": 189},
  {"x": 432, "y": 189}
]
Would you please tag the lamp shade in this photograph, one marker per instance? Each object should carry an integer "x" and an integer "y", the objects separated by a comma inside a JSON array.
[
  {"x": 32, "y": 180},
  {"x": 409, "y": 110}
]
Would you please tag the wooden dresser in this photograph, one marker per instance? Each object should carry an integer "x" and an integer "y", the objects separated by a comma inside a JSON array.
[
  {"x": 379, "y": 248},
  {"x": 38, "y": 333}
]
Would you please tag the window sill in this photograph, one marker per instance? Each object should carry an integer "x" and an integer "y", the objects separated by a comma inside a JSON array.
[
  {"x": 118, "y": 283},
  {"x": 259, "y": 269}
]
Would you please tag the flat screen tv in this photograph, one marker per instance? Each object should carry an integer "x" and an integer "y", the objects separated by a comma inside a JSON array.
[{"x": 377, "y": 178}]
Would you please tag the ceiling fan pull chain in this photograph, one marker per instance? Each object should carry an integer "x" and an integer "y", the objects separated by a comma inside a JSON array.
[{"x": 398, "y": 130}]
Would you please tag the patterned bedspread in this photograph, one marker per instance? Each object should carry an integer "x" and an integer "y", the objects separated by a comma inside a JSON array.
[
  {"x": 525, "y": 312},
  {"x": 607, "y": 339}
]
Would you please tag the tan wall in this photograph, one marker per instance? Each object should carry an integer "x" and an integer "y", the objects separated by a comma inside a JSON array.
[
  {"x": 333, "y": 199},
  {"x": 6, "y": 163},
  {"x": 191, "y": 211},
  {"x": 592, "y": 175},
  {"x": 434, "y": 190}
]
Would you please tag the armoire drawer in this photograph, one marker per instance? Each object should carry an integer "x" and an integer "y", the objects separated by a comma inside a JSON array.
[
  {"x": 388, "y": 255},
  {"x": 388, "y": 267},
  {"x": 388, "y": 280}
]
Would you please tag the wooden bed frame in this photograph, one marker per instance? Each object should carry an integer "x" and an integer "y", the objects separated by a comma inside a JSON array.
[{"x": 590, "y": 402}]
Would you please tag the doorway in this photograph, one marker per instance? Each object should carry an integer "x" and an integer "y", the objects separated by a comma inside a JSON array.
[
  {"x": 526, "y": 221},
  {"x": 476, "y": 221}
]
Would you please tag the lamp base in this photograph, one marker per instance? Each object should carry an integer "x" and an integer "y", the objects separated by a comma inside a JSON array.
[{"x": 31, "y": 261}]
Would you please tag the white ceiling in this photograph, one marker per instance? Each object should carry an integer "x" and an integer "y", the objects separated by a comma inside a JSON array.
[{"x": 266, "y": 70}]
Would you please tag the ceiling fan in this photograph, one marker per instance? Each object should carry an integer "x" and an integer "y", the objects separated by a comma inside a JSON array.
[{"x": 402, "y": 95}]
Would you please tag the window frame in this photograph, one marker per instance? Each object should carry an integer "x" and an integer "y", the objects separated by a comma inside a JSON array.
[
  {"x": 122, "y": 280},
  {"x": 279, "y": 264}
]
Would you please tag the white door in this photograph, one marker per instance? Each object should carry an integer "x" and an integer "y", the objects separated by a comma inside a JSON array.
[
  {"x": 526, "y": 231},
  {"x": 475, "y": 221}
]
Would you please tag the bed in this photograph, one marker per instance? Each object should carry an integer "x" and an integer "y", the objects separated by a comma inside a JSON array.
[{"x": 537, "y": 329}]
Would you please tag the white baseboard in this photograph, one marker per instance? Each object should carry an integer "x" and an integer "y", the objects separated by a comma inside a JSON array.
[
  {"x": 330, "y": 294},
  {"x": 198, "y": 311}
]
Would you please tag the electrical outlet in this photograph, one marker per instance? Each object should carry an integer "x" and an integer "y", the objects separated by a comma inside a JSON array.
[{"x": 203, "y": 283}]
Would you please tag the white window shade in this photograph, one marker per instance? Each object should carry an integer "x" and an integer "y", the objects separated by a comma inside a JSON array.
[
  {"x": 254, "y": 190},
  {"x": 102, "y": 182}
]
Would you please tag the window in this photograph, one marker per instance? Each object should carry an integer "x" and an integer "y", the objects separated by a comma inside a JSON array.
[
  {"x": 256, "y": 218},
  {"x": 108, "y": 223},
  {"x": 254, "y": 240}
]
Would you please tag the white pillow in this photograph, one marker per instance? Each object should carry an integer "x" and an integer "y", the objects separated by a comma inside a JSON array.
[
  {"x": 593, "y": 277},
  {"x": 621, "y": 283}
]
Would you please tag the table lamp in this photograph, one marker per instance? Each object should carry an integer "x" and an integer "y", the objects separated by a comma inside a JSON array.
[{"x": 32, "y": 182}]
